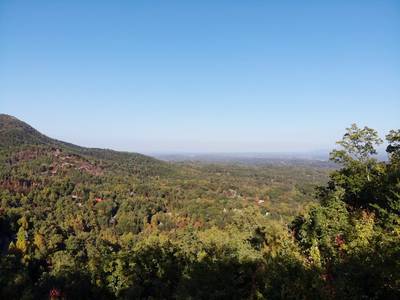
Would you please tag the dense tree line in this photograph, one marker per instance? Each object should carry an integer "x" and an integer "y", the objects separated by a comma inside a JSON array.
[{"x": 103, "y": 227}]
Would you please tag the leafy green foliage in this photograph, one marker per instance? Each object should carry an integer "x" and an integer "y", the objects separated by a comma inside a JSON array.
[{"x": 99, "y": 224}]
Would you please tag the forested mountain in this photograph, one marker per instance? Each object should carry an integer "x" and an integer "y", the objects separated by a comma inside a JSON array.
[
  {"x": 82, "y": 223},
  {"x": 17, "y": 134}
]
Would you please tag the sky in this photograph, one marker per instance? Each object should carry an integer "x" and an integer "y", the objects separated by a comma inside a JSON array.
[{"x": 201, "y": 76}]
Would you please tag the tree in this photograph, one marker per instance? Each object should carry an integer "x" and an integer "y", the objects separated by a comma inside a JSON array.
[
  {"x": 393, "y": 149},
  {"x": 358, "y": 147}
]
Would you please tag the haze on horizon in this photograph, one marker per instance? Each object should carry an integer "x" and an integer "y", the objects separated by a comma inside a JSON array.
[{"x": 201, "y": 77}]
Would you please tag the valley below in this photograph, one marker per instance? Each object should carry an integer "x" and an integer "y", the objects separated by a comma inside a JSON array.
[{"x": 86, "y": 223}]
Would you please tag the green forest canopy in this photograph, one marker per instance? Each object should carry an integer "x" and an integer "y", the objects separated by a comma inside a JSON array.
[{"x": 83, "y": 223}]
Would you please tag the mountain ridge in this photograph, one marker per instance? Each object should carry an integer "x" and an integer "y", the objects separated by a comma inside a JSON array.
[{"x": 16, "y": 134}]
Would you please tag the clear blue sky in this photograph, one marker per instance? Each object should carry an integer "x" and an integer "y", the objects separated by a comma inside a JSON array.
[{"x": 162, "y": 76}]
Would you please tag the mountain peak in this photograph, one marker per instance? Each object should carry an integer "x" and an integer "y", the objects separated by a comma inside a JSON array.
[
  {"x": 4, "y": 118},
  {"x": 14, "y": 132}
]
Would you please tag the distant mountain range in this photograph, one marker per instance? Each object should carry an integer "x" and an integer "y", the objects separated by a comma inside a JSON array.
[
  {"x": 250, "y": 158},
  {"x": 14, "y": 132}
]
